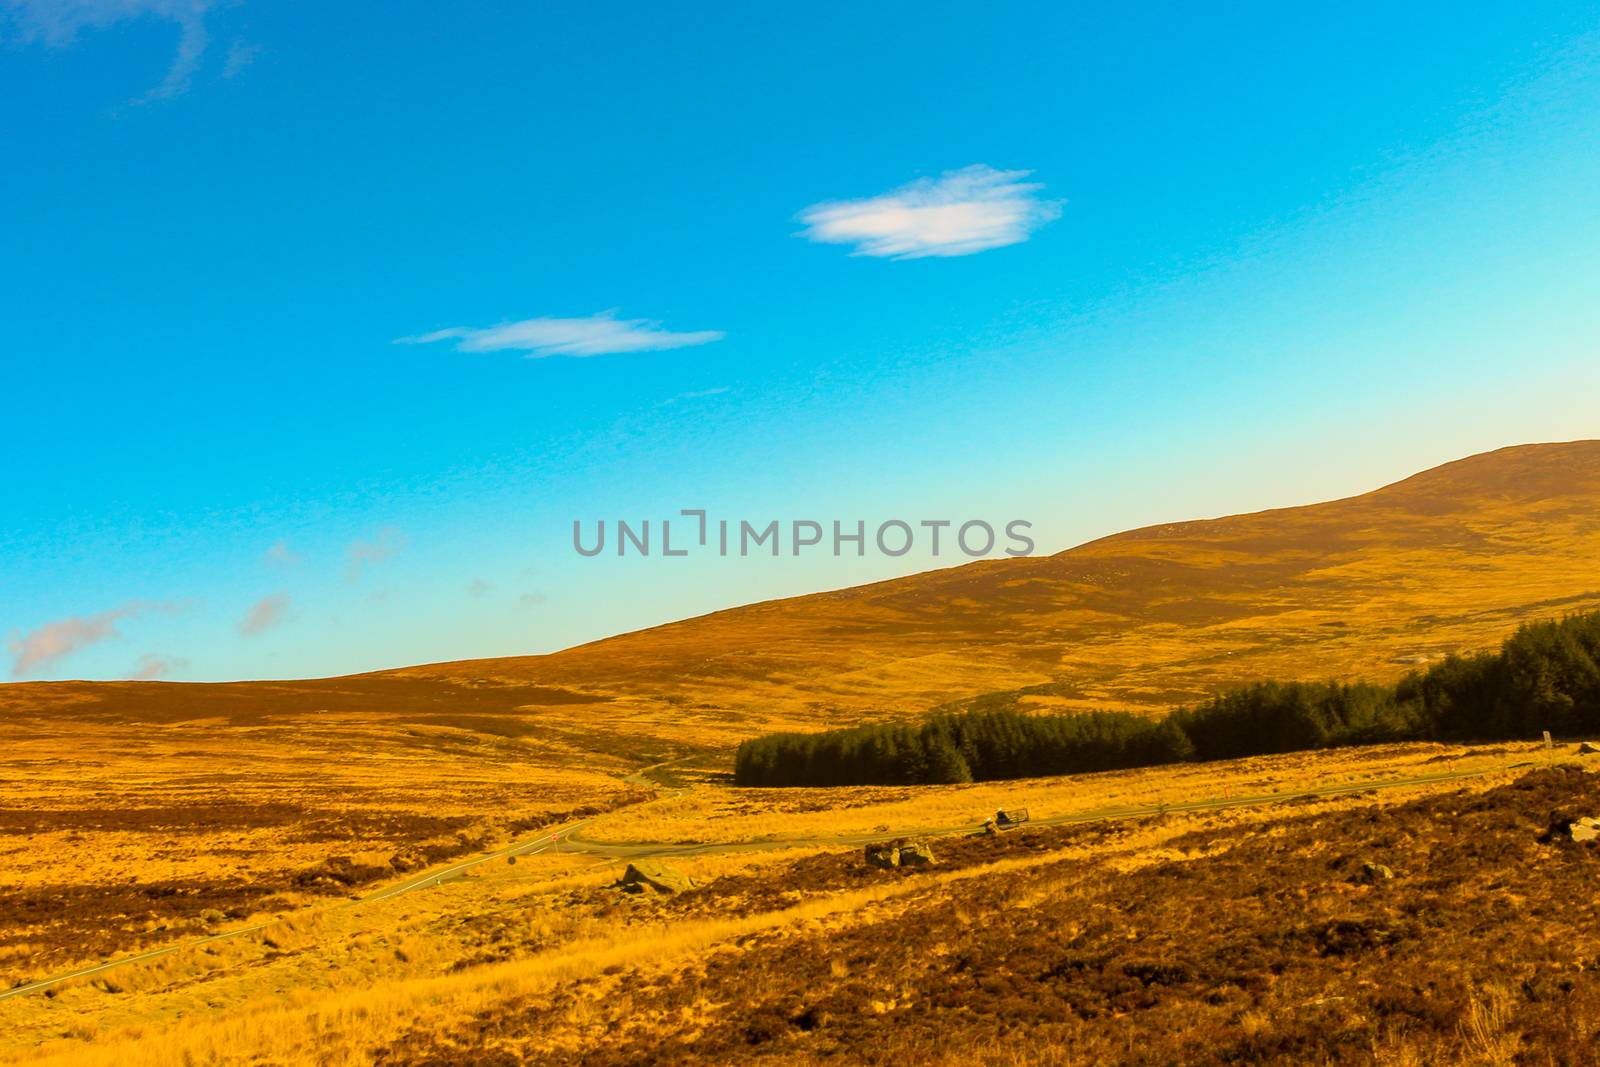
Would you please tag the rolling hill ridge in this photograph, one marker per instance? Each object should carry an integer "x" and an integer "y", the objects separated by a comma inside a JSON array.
[{"x": 1447, "y": 560}]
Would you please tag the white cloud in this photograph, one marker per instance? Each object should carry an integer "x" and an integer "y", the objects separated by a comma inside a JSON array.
[
  {"x": 597, "y": 335},
  {"x": 54, "y": 640},
  {"x": 58, "y": 23},
  {"x": 960, "y": 212},
  {"x": 265, "y": 614}
]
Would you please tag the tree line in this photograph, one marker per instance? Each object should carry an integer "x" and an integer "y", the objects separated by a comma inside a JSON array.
[{"x": 1545, "y": 676}]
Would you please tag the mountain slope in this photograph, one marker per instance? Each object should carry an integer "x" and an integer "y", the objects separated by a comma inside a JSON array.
[{"x": 1449, "y": 559}]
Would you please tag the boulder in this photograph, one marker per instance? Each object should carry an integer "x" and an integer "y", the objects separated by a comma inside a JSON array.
[
  {"x": 1373, "y": 873},
  {"x": 900, "y": 853},
  {"x": 644, "y": 874},
  {"x": 882, "y": 854},
  {"x": 1588, "y": 748},
  {"x": 1565, "y": 827}
]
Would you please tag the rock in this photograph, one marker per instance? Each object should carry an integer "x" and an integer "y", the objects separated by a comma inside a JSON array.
[
  {"x": 900, "y": 853},
  {"x": 211, "y": 916},
  {"x": 883, "y": 854},
  {"x": 1564, "y": 827},
  {"x": 1588, "y": 748},
  {"x": 1373, "y": 873},
  {"x": 645, "y": 874}
]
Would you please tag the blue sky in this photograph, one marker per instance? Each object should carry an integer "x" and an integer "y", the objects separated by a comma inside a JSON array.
[{"x": 322, "y": 324}]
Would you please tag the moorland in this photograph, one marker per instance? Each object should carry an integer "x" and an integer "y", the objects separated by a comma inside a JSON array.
[{"x": 138, "y": 816}]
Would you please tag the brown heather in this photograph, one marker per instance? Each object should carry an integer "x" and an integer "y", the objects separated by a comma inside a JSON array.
[{"x": 140, "y": 815}]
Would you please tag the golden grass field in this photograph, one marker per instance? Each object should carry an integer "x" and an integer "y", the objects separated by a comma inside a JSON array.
[
  {"x": 120, "y": 836},
  {"x": 138, "y": 815},
  {"x": 338, "y": 981}
]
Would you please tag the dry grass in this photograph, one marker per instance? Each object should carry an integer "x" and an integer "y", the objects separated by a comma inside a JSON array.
[
  {"x": 1256, "y": 942},
  {"x": 136, "y": 814},
  {"x": 1237, "y": 937},
  {"x": 332, "y": 984},
  {"x": 119, "y": 836},
  {"x": 716, "y": 815}
]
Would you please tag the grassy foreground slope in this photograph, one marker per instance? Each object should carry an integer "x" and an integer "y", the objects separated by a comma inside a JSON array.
[
  {"x": 1260, "y": 942},
  {"x": 1248, "y": 935}
]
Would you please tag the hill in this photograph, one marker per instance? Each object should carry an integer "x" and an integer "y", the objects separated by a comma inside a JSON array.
[
  {"x": 1447, "y": 560},
  {"x": 1366, "y": 587}
]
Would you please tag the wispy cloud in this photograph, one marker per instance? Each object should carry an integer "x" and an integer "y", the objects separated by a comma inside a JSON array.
[
  {"x": 151, "y": 666},
  {"x": 362, "y": 554},
  {"x": 58, "y": 23},
  {"x": 960, "y": 212},
  {"x": 240, "y": 56},
  {"x": 478, "y": 587},
  {"x": 264, "y": 614},
  {"x": 597, "y": 335},
  {"x": 279, "y": 554},
  {"x": 531, "y": 600},
  {"x": 54, "y": 640},
  {"x": 697, "y": 394}
]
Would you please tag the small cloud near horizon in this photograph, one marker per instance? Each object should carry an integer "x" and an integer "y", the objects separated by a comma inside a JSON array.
[
  {"x": 279, "y": 554},
  {"x": 597, "y": 335},
  {"x": 362, "y": 554},
  {"x": 478, "y": 587},
  {"x": 531, "y": 600},
  {"x": 957, "y": 214},
  {"x": 264, "y": 614},
  {"x": 58, "y": 24},
  {"x": 152, "y": 666},
  {"x": 55, "y": 640}
]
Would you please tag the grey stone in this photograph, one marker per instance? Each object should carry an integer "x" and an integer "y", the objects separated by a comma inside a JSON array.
[{"x": 644, "y": 874}]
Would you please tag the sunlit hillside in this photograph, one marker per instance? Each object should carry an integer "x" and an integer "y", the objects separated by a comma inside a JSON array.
[
  {"x": 1447, "y": 560},
  {"x": 1369, "y": 587},
  {"x": 143, "y": 817}
]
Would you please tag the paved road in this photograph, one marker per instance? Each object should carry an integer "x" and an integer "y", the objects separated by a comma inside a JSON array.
[{"x": 567, "y": 839}]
